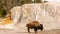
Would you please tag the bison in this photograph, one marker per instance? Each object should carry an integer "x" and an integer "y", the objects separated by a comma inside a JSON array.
[{"x": 34, "y": 25}]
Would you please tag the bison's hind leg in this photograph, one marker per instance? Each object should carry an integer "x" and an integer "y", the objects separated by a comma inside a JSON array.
[
  {"x": 27, "y": 25},
  {"x": 28, "y": 29}
]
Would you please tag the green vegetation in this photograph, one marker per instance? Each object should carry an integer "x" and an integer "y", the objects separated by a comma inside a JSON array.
[
  {"x": 37, "y": 1},
  {"x": 6, "y": 5},
  {"x": 2, "y": 11},
  {"x": 25, "y": 2},
  {"x": 30, "y": 1}
]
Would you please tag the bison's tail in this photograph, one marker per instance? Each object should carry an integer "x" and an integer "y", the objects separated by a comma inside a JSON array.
[{"x": 27, "y": 25}]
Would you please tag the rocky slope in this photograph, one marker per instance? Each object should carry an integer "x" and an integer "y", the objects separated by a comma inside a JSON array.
[{"x": 46, "y": 13}]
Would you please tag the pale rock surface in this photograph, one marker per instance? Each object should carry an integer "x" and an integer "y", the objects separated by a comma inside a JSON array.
[{"x": 46, "y": 13}]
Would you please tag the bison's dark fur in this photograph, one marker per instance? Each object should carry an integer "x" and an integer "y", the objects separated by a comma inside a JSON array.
[{"x": 34, "y": 25}]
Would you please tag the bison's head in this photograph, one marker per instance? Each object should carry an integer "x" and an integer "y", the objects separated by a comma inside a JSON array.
[{"x": 41, "y": 27}]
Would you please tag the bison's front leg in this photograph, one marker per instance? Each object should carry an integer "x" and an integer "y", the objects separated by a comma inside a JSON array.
[
  {"x": 28, "y": 30},
  {"x": 35, "y": 29}
]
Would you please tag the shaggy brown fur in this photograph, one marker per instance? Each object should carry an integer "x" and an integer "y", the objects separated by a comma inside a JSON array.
[{"x": 34, "y": 25}]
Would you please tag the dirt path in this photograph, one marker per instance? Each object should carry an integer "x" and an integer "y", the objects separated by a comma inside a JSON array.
[{"x": 24, "y": 31}]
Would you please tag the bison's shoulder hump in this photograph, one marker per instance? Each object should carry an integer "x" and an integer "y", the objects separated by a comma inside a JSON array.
[{"x": 34, "y": 23}]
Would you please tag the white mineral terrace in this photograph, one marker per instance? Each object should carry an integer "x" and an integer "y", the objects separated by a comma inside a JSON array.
[{"x": 46, "y": 13}]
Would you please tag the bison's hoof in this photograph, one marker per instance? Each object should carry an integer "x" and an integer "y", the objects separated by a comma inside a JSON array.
[
  {"x": 29, "y": 32},
  {"x": 35, "y": 32}
]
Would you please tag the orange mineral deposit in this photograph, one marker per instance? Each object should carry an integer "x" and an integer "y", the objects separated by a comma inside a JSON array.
[{"x": 7, "y": 20}]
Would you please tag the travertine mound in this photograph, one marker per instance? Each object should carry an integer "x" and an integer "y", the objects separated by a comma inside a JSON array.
[{"x": 46, "y": 13}]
